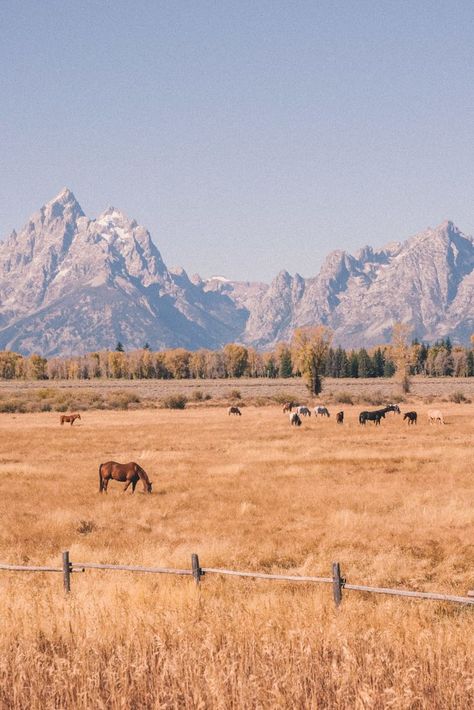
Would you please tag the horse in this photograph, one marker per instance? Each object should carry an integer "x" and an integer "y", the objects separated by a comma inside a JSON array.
[
  {"x": 378, "y": 414},
  {"x": 128, "y": 473},
  {"x": 340, "y": 417},
  {"x": 411, "y": 417},
  {"x": 435, "y": 416},
  {"x": 303, "y": 411},
  {"x": 69, "y": 418},
  {"x": 295, "y": 419},
  {"x": 370, "y": 417},
  {"x": 287, "y": 407},
  {"x": 322, "y": 411},
  {"x": 234, "y": 410}
]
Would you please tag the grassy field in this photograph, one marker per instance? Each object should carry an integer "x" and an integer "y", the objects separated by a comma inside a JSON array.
[
  {"x": 63, "y": 395},
  {"x": 394, "y": 505}
]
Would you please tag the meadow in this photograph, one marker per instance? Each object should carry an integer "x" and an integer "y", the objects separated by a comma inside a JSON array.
[{"x": 393, "y": 504}]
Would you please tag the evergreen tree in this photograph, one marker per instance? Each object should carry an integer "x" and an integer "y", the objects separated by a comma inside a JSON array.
[
  {"x": 329, "y": 368},
  {"x": 353, "y": 365},
  {"x": 378, "y": 361},
  {"x": 470, "y": 364},
  {"x": 388, "y": 368},
  {"x": 119, "y": 347},
  {"x": 341, "y": 363},
  {"x": 365, "y": 364},
  {"x": 285, "y": 365}
]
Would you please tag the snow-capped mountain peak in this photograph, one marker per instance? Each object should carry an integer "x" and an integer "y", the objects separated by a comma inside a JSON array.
[{"x": 71, "y": 284}]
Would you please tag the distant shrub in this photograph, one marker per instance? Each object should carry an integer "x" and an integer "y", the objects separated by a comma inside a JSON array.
[
  {"x": 343, "y": 397},
  {"x": 235, "y": 394},
  {"x": 122, "y": 399},
  {"x": 198, "y": 395},
  {"x": 85, "y": 527},
  {"x": 8, "y": 406},
  {"x": 175, "y": 401},
  {"x": 458, "y": 397},
  {"x": 44, "y": 393},
  {"x": 284, "y": 397},
  {"x": 375, "y": 398},
  {"x": 397, "y": 399}
]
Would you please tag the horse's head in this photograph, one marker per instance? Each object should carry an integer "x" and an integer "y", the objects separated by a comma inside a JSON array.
[
  {"x": 149, "y": 486},
  {"x": 78, "y": 416}
]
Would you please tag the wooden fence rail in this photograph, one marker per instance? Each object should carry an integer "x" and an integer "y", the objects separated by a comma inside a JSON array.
[{"x": 338, "y": 582}]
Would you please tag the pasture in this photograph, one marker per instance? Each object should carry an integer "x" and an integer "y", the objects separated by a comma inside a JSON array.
[{"x": 393, "y": 504}]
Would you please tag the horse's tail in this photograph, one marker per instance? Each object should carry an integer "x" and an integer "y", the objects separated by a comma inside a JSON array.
[
  {"x": 61, "y": 420},
  {"x": 101, "y": 483}
]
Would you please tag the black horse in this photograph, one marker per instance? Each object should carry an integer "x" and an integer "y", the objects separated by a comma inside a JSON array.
[
  {"x": 411, "y": 416},
  {"x": 378, "y": 414}
]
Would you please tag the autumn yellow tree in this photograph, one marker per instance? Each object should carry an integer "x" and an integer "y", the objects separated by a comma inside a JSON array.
[
  {"x": 310, "y": 348},
  {"x": 236, "y": 359},
  {"x": 403, "y": 355}
]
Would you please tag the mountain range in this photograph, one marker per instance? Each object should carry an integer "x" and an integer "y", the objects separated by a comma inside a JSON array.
[{"x": 70, "y": 284}]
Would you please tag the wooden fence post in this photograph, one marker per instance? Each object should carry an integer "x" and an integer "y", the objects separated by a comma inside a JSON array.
[
  {"x": 337, "y": 583},
  {"x": 66, "y": 572},
  {"x": 197, "y": 573}
]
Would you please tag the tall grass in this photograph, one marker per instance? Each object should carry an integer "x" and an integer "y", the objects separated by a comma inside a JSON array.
[{"x": 393, "y": 505}]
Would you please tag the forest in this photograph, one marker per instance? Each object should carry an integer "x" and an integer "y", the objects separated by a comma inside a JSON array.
[{"x": 440, "y": 359}]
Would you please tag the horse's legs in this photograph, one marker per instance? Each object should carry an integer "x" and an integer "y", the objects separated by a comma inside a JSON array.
[
  {"x": 134, "y": 483},
  {"x": 105, "y": 483},
  {"x": 127, "y": 485}
]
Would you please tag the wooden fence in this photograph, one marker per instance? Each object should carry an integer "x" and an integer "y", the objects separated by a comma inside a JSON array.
[{"x": 336, "y": 580}]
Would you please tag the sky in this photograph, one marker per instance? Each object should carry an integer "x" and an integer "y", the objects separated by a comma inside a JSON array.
[{"x": 246, "y": 136}]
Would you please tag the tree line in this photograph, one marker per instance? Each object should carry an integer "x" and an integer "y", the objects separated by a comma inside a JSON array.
[{"x": 315, "y": 358}]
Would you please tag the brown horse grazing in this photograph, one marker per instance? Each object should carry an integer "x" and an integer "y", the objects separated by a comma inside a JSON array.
[
  {"x": 234, "y": 410},
  {"x": 69, "y": 418},
  {"x": 128, "y": 473},
  {"x": 340, "y": 417}
]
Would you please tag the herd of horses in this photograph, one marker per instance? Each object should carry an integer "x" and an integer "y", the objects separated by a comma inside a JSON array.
[
  {"x": 130, "y": 473},
  {"x": 435, "y": 416}
]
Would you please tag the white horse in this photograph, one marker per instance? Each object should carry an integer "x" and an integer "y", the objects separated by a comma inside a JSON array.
[
  {"x": 303, "y": 411},
  {"x": 295, "y": 419},
  {"x": 322, "y": 411},
  {"x": 435, "y": 416}
]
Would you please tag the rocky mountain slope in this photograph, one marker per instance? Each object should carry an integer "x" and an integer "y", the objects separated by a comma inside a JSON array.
[{"x": 69, "y": 284}]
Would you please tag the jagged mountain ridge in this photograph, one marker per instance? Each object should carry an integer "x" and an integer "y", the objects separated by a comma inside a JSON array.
[{"x": 70, "y": 284}]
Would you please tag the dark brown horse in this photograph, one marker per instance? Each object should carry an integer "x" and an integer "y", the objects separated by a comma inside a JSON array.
[
  {"x": 69, "y": 418},
  {"x": 128, "y": 473}
]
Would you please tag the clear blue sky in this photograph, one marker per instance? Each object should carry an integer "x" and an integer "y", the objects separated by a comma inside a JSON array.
[{"x": 246, "y": 136}]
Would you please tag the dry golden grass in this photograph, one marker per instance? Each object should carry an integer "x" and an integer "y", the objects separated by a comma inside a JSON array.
[{"x": 394, "y": 505}]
